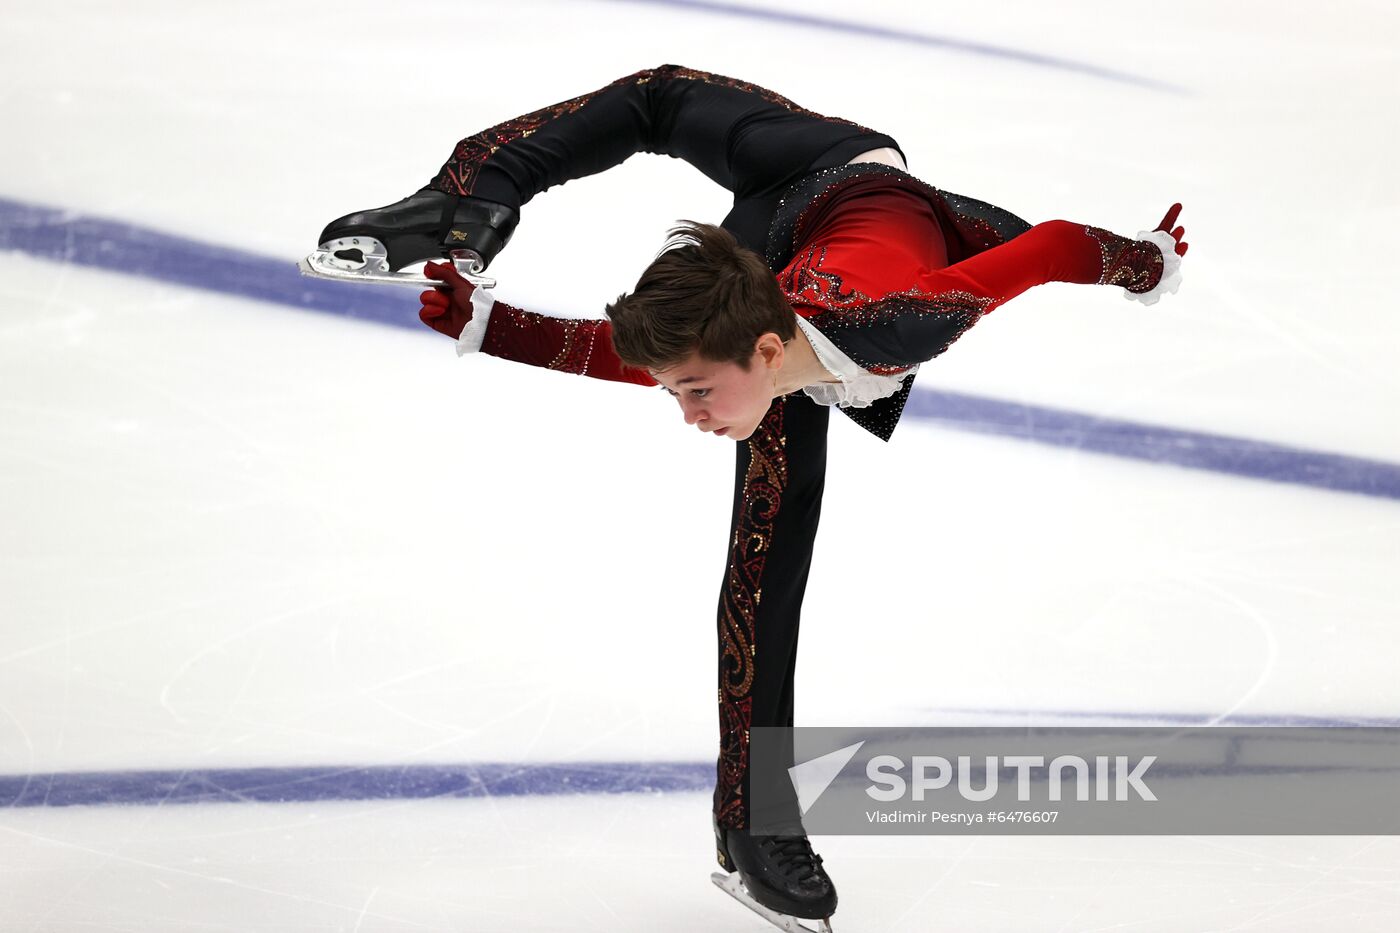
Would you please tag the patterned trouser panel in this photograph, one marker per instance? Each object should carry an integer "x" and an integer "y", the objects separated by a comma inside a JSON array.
[{"x": 779, "y": 477}]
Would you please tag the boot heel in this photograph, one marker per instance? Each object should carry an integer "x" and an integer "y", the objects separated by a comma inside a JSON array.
[{"x": 722, "y": 849}]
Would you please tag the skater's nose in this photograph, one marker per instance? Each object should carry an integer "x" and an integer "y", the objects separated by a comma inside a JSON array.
[{"x": 692, "y": 410}]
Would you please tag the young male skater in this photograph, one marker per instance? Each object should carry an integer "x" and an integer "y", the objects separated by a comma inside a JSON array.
[{"x": 833, "y": 277}]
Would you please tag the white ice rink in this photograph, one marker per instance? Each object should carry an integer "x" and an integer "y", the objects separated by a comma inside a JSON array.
[{"x": 240, "y": 535}]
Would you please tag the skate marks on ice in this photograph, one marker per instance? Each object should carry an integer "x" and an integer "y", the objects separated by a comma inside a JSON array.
[{"x": 61, "y": 236}]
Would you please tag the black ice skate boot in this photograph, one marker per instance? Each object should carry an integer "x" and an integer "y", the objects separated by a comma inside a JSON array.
[
  {"x": 781, "y": 873},
  {"x": 374, "y": 245}
]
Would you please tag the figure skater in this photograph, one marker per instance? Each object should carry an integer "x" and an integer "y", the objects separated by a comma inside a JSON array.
[{"x": 833, "y": 278}]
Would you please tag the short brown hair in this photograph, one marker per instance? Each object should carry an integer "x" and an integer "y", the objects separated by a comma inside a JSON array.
[{"x": 702, "y": 292}]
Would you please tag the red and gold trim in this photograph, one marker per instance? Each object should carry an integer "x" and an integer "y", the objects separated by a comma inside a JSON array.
[{"x": 763, "y": 485}]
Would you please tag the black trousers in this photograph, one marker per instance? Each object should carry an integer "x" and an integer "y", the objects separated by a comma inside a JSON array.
[
  {"x": 779, "y": 477},
  {"x": 757, "y": 144}
]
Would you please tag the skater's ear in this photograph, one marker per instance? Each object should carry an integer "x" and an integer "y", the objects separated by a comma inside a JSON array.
[{"x": 768, "y": 348}]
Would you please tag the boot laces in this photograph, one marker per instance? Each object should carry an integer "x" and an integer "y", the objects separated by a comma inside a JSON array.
[{"x": 794, "y": 854}]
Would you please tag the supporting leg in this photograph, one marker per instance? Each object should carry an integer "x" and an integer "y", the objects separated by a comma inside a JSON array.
[{"x": 780, "y": 473}]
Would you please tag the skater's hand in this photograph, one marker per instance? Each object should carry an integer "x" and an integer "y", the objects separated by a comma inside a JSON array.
[
  {"x": 448, "y": 308},
  {"x": 1178, "y": 233}
]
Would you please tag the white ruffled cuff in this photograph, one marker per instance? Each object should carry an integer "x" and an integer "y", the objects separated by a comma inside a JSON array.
[
  {"x": 474, "y": 334},
  {"x": 1171, "y": 267}
]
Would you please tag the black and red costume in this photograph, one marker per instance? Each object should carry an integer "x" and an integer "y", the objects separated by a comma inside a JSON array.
[{"x": 883, "y": 270}]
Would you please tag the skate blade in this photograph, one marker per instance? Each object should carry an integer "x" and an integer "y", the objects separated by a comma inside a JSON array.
[
  {"x": 323, "y": 264},
  {"x": 733, "y": 885}
]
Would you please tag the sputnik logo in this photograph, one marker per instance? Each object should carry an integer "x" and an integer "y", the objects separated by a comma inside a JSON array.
[{"x": 811, "y": 778}]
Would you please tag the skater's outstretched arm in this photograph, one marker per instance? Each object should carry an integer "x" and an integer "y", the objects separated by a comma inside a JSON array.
[{"x": 478, "y": 322}]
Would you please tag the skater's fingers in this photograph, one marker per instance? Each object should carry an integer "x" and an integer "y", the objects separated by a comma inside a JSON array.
[
  {"x": 438, "y": 271},
  {"x": 439, "y": 301},
  {"x": 438, "y": 319},
  {"x": 1179, "y": 235},
  {"x": 446, "y": 273},
  {"x": 1169, "y": 220}
]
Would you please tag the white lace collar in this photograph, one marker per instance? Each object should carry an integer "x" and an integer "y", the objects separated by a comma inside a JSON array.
[{"x": 858, "y": 387}]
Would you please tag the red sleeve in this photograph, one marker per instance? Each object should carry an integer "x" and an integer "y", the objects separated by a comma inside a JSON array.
[
  {"x": 1054, "y": 251},
  {"x": 571, "y": 346}
]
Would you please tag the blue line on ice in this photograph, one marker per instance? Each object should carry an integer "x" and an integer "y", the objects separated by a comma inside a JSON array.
[
  {"x": 388, "y": 782},
  {"x": 60, "y": 236},
  {"x": 303, "y": 784},
  {"x": 850, "y": 28}
]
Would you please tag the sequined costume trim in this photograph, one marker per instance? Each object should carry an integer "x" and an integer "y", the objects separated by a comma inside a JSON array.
[
  {"x": 941, "y": 317},
  {"x": 759, "y": 499},
  {"x": 1171, "y": 268},
  {"x": 458, "y": 175},
  {"x": 806, "y": 281},
  {"x": 569, "y": 345},
  {"x": 1134, "y": 264}
]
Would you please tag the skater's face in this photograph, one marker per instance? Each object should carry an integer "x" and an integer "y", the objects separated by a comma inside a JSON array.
[{"x": 724, "y": 399}]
